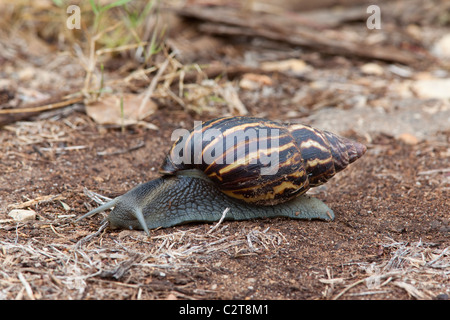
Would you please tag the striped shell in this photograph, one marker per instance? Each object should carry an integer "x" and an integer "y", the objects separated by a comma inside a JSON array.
[{"x": 261, "y": 161}]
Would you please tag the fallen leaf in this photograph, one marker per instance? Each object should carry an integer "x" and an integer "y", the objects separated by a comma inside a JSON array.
[{"x": 107, "y": 110}]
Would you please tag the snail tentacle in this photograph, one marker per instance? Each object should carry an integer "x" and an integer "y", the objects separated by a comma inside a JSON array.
[{"x": 103, "y": 207}]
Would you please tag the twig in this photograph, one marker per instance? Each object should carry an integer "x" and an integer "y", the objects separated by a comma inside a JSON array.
[
  {"x": 96, "y": 196},
  {"x": 430, "y": 263},
  {"x": 122, "y": 268},
  {"x": 89, "y": 237},
  {"x": 411, "y": 290},
  {"x": 45, "y": 107},
  {"x": 220, "y": 221},
  {"x": 443, "y": 170},
  {"x": 365, "y": 293},
  {"x": 37, "y": 200},
  {"x": 348, "y": 288},
  {"x": 99, "y": 52},
  {"x": 59, "y": 150},
  {"x": 12, "y": 115},
  {"x": 26, "y": 285},
  {"x": 121, "y": 151}
]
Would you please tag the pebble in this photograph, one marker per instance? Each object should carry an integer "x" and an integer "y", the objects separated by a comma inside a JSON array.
[
  {"x": 408, "y": 138},
  {"x": 441, "y": 48},
  {"x": 294, "y": 66},
  {"x": 432, "y": 88},
  {"x": 373, "y": 69},
  {"x": 171, "y": 296},
  {"x": 22, "y": 215}
]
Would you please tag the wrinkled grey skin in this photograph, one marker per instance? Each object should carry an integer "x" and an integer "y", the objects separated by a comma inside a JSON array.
[{"x": 191, "y": 197}]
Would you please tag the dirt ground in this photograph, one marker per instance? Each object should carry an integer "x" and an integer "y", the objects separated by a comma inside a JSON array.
[{"x": 391, "y": 235}]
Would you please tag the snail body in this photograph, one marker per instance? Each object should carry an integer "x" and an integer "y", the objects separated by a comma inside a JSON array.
[{"x": 255, "y": 167}]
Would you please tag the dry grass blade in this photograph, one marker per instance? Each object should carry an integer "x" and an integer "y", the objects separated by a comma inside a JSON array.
[
  {"x": 91, "y": 236},
  {"x": 220, "y": 221},
  {"x": 118, "y": 272},
  {"x": 8, "y": 116},
  {"x": 151, "y": 88},
  {"x": 230, "y": 95},
  {"x": 96, "y": 196},
  {"x": 67, "y": 269},
  {"x": 348, "y": 288},
  {"x": 38, "y": 200},
  {"x": 41, "y": 108},
  {"x": 416, "y": 268},
  {"x": 26, "y": 286},
  {"x": 413, "y": 291},
  {"x": 438, "y": 262},
  {"x": 264, "y": 238}
]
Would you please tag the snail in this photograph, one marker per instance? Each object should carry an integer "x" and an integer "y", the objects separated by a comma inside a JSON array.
[{"x": 256, "y": 168}]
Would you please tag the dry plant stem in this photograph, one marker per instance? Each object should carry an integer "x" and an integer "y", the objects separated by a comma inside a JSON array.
[
  {"x": 99, "y": 52},
  {"x": 443, "y": 170},
  {"x": 8, "y": 116},
  {"x": 38, "y": 200},
  {"x": 95, "y": 196},
  {"x": 46, "y": 107},
  {"x": 220, "y": 221},
  {"x": 348, "y": 288},
  {"x": 437, "y": 258},
  {"x": 140, "y": 144},
  {"x": 88, "y": 238},
  {"x": 154, "y": 82},
  {"x": 118, "y": 272},
  {"x": 401, "y": 270},
  {"x": 26, "y": 285},
  {"x": 411, "y": 290},
  {"x": 92, "y": 62},
  {"x": 140, "y": 73}
]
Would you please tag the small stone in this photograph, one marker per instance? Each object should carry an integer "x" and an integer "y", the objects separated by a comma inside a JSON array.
[
  {"x": 171, "y": 296},
  {"x": 432, "y": 88},
  {"x": 442, "y": 47},
  {"x": 408, "y": 138},
  {"x": 372, "y": 68},
  {"x": 294, "y": 66},
  {"x": 22, "y": 215},
  {"x": 252, "y": 81},
  {"x": 251, "y": 280}
]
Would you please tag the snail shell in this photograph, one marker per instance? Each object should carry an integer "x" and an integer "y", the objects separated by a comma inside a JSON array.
[{"x": 261, "y": 161}]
